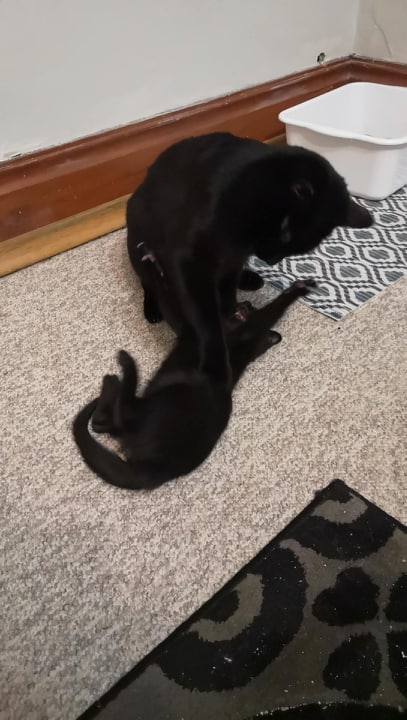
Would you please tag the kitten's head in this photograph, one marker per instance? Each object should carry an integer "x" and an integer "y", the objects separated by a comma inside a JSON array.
[{"x": 314, "y": 200}]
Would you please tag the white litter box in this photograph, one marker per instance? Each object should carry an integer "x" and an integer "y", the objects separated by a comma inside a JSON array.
[{"x": 361, "y": 128}]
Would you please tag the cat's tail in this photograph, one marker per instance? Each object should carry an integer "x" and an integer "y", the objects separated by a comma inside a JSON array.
[{"x": 109, "y": 466}]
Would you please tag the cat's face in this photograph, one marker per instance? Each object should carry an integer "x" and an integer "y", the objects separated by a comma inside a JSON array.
[{"x": 315, "y": 205}]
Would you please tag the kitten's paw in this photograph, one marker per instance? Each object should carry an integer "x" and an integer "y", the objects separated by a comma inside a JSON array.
[
  {"x": 101, "y": 422},
  {"x": 303, "y": 287},
  {"x": 243, "y": 311},
  {"x": 250, "y": 280},
  {"x": 267, "y": 341},
  {"x": 273, "y": 338},
  {"x": 110, "y": 382},
  {"x": 241, "y": 315},
  {"x": 124, "y": 359}
]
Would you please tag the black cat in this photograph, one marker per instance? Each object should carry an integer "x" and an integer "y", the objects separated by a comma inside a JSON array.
[
  {"x": 209, "y": 202},
  {"x": 170, "y": 430}
]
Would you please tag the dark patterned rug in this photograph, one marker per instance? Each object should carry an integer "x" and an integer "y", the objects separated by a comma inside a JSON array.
[
  {"x": 351, "y": 266},
  {"x": 314, "y": 627}
]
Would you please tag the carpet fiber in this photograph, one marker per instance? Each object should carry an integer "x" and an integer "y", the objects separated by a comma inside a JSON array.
[
  {"x": 317, "y": 620},
  {"x": 93, "y": 578},
  {"x": 351, "y": 266}
]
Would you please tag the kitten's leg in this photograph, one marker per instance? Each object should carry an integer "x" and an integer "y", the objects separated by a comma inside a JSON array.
[
  {"x": 152, "y": 312},
  {"x": 128, "y": 385},
  {"x": 268, "y": 315},
  {"x": 103, "y": 417},
  {"x": 255, "y": 337},
  {"x": 250, "y": 280},
  {"x": 126, "y": 406}
]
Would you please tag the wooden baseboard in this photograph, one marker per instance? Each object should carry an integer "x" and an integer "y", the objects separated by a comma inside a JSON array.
[
  {"x": 59, "y": 198},
  {"x": 379, "y": 71},
  {"x": 36, "y": 245}
]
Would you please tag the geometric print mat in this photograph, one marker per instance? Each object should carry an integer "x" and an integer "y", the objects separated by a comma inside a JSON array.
[
  {"x": 313, "y": 628},
  {"x": 351, "y": 266}
]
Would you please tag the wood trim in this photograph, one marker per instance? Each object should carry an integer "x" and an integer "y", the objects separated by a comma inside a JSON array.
[
  {"x": 50, "y": 185},
  {"x": 56, "y": 199},
  {"x": 24, "y": 250},
  {"x": 379, "y": 71}
]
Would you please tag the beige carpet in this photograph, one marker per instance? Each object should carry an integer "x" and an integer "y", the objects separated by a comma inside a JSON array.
[{"x": 92, "y": 577}]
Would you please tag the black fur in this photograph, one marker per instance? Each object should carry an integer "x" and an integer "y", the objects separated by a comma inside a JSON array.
[
  {"x": 209, "y": 202},
  {"x": 175, "y": 424}
]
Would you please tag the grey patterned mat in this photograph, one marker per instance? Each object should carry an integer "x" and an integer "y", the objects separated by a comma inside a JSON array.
[{"x": 351, "y": 266}]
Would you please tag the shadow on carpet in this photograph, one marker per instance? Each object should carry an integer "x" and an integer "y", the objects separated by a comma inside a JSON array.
[
  {"x": 351, "y": 266},
  {"x": 313, "y": 627}
]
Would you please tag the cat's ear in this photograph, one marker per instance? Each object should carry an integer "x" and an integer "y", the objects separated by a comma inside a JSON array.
[
  {"x": 358, "y": 216},
  {"x": 302, "y": 191}
]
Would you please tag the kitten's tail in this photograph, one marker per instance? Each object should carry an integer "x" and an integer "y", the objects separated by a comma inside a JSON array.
[{"x": 109, "y": 466}]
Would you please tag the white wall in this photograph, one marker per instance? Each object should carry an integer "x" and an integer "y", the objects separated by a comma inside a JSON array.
[
  {"x": 382, "y": 30},
  {"x": 70, "y": 68}
]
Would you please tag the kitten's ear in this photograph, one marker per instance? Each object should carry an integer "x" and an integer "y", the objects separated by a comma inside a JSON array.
[
  {"x": 358, "y": 216},
  {"x": 303, "y": 191}
]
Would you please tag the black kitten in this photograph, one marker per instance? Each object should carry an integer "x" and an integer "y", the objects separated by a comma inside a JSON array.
[
  {"x": 175, "y": 424},
  {"x": 208, "y": 203}
]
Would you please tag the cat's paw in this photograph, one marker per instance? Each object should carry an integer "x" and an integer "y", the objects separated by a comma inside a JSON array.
[
  {"x": 250, "y": 280},
  {"x": 152, "y": 313}
]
